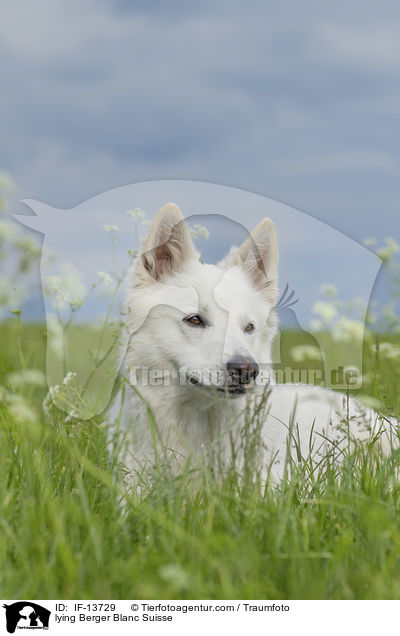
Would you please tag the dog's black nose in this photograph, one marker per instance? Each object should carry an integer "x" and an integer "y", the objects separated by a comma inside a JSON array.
[{"x": 242, "y": 370}]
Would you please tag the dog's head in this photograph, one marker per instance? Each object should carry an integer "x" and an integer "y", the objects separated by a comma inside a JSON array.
[{"x": 209, "y": 326}]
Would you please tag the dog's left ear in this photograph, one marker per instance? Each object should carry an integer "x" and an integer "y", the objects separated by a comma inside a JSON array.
[
  {"x": 168, "y": 245},
  {"x": 258, "y": 256}
]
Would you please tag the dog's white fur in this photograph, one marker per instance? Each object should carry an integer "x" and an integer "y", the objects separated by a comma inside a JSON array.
[{"x": 168, "y": 283}]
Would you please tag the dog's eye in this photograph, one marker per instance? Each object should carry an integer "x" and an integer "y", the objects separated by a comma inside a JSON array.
[
  {"x": 250, "y": 328},
  {"x": 195, "y": 320}
]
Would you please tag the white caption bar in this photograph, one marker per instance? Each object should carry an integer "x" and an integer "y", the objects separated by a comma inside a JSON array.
[{"x": 181, "y": 617}]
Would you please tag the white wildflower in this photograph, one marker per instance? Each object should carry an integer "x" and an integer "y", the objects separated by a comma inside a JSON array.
[
  {"x": 73, "y": 287},
  {"x": 111, "y": 228},
  {"x": 371, "y": 318},
  {"x": 199, "y": 231},
  {"x": 299, "y": 353},
  {"x": 348, "y": 330},
  {"x": 388, "y": 350},
  {"x": 53, "y": 391},
  {"x": 8, "y": 231},
  {"x": 69, "y": 378},
  {"x": 29, "y": 246},
  {"x": 55, "y": 335},
  {"x": 6, "y": 182},
  {"x": 67, "y": 288},
  {"x": 72, "y": 415},
  {"x": 51, "y": 284},
  {"x": 51, "y": 397},
  {"x": 327, "y": 311},
  {"x": 316, "y": 325},
  {"x": 329, "y": 290},
  {"x": 47, "y": 404},
  {"x": 33, "y": 377},
  {"x": 175, "y": 575},
  {"x": 105, "y": 278},
  {"x": 11, "y": 297},
  {"x": 391, "y": 248},
  {"x": 20, "y": 410},
  {"x": 137, "y": 213}
]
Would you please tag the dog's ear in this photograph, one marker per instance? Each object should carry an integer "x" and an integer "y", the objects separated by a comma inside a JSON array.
[
  {"x": 258, "y": 256},
  {"x": 168, "y": 245}
]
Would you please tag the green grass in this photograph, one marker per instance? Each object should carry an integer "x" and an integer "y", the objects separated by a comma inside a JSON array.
[{"x": 64, "y": 533}]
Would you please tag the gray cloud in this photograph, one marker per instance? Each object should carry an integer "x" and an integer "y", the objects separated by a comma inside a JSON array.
[{"x": 297, "y": 101}]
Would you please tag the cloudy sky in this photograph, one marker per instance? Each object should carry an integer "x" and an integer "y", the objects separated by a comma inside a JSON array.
[{"x": 298, "y": 101}]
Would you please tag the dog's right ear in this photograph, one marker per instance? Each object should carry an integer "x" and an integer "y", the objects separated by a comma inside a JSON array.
[
  {"x": 258, "y": 257},
  {"x": 167, "y": 247}
]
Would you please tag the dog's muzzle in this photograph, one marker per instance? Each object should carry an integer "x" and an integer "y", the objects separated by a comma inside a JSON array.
[{"x": 241, "y": 371}]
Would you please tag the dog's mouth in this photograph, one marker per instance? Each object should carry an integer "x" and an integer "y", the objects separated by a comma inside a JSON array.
[
  {"x": 229, "y": 391},
  {"x": 233, "y": 391}
]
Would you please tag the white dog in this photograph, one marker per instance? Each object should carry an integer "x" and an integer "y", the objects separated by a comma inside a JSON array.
[{"x": 198, "y": 335}]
